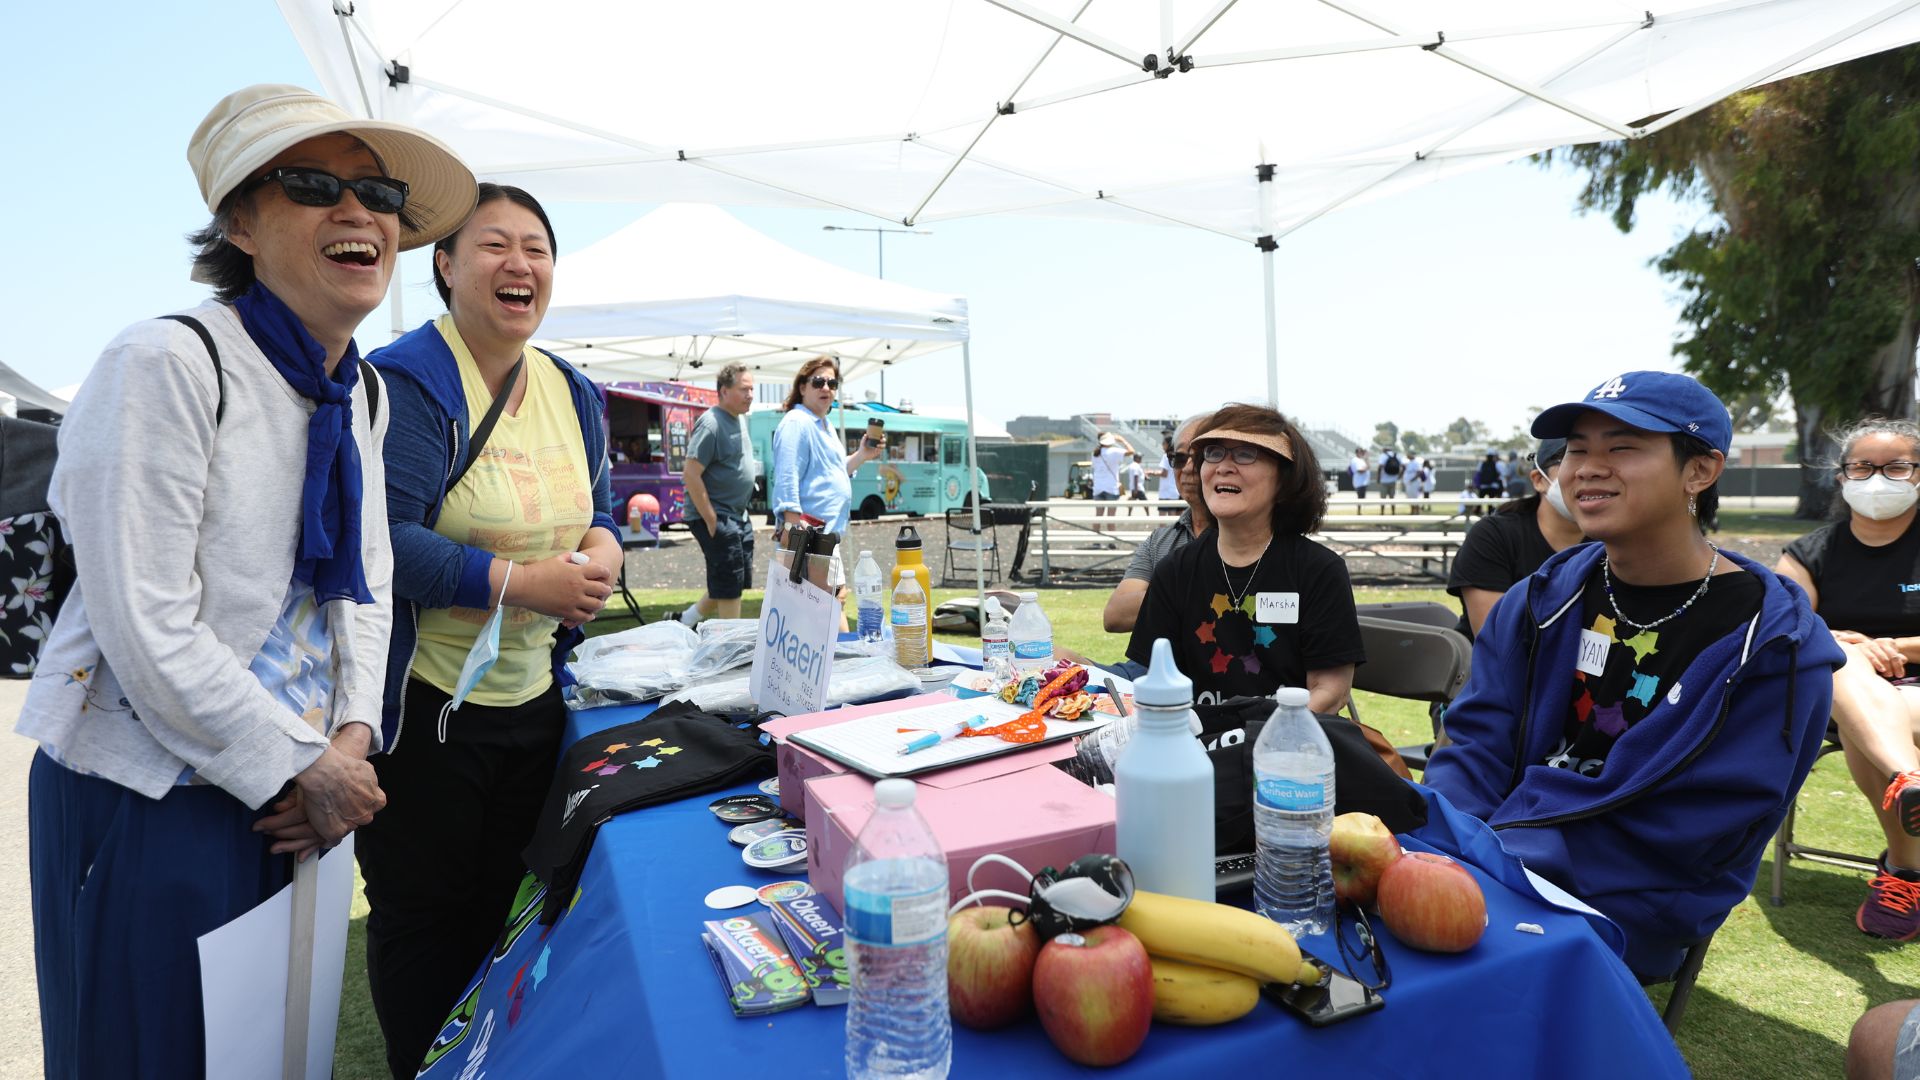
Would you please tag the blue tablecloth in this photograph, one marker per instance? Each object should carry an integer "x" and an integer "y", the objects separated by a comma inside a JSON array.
[{"x": 621, "y": 987}]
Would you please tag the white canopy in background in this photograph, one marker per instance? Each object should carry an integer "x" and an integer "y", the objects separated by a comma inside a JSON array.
[
  {"x": 1142, "y": 110},
  {"x": 688, "y": 288}
]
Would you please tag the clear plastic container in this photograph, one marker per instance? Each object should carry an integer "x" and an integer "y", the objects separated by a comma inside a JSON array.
[
  {"x": 870, "y": 597},
  {"x": 1292, "y": 818},
  {"x": 912, "y": 642},
  {"x": 1031, "y": 636},
  {"x": 896, "y": 917},
  {"x": 996, "y": 643}
]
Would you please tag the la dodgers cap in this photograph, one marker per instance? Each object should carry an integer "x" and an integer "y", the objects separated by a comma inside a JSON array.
[{"x": 1650, "y": 401}]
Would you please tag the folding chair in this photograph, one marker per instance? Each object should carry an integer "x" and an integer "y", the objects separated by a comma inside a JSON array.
[
  {"x": 984, "y": 548},
  {"x": 1414, "y": 661},
  {"x": 1682, "y": 981},
  {"x": 1784, "y": 847},
  {"x": 1423, "y": 612}
]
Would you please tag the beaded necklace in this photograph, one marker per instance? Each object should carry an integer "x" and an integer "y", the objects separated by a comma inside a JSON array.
[{"x": 1606, "y": 575}]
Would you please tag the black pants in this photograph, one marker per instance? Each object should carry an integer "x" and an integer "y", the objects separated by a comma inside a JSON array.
[{"x": 442, "y": 859}]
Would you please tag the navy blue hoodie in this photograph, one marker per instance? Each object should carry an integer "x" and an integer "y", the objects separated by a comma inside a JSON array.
[
  {"x": 426, "y": 439},
  {"x": 1669, "y": 837}
]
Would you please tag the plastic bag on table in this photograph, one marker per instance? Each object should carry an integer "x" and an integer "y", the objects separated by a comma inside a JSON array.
[
  {"x": 860, "y": 678},
  {"x": 633, "y": 665},
  {"x": 725, "y": 644}
]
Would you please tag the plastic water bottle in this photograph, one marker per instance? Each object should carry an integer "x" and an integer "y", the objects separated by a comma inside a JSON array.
[
  {"x": 1031, "y": 636},
  {"x": 870, "y": 597},
  {"x": 896, "y": 915},
  {"x": 1163, "y": 788},
  {"x": 996, "y": 649},
  {"x": 911, "y": 644},
  {"x": 1292, "y": 818}
]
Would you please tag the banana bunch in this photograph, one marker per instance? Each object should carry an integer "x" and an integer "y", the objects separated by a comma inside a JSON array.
[{"x": 1209, "y": 960}]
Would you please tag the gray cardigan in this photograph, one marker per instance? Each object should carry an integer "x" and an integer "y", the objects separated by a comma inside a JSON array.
[{"x": 184, "y": 535}]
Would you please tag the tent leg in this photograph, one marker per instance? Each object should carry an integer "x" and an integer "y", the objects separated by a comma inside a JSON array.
[
  {"x": 973, "y": 486},
  {"x": 1273, "y": 333}
]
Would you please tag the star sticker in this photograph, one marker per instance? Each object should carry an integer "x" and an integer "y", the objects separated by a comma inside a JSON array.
[
  {"x": 1604, "y": 626},
  {"x": 1221, "y": 662},
  {"x": 653, "y": 742},
  {"x": 1250, "y": 664},
  {"x": 1644, "y": 687},
  {"x": 1245, "y": 606},
  {"x": 616, "y": 748},
  {"x": 669, "y": 750},
  {"x": 596, "y": 765},
  {"x": 1220, "y": 605},
  {"x": 609, "y": 770},
  {"x": 1643, "y": 644},
  {"x": 1610, "y": 720},
  {"x": 1204, "y": 632},
  {"x": 1583, "y": 705},
  {"x": 540, "y": 965},
  {"x": 650, "y": 763},
  {"x": 1264, "y": 636}
]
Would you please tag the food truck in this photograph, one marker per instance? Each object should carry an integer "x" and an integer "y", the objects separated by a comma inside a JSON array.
[
  {"x": 923, "y": 472},
  {"x": 648, "y": 425}
]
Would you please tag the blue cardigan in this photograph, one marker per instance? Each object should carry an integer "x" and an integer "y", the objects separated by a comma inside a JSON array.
[
  {"x": 426, "y": 441},
  {"x": 1669, "y": 837}
]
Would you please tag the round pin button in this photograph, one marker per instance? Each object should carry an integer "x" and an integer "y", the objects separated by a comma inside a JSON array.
[
  {"x": 741, "y": 809},
  {"x": 731, "y": 896},
  {"x": 784, "y": 890},
  {"x": 760, "y": 830},
  {"x": 781, "y": 850},
  {"x": 771, "y": 787}
]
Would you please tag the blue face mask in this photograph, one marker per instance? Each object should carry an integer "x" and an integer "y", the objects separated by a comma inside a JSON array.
[{"x": 480, "y": 658}]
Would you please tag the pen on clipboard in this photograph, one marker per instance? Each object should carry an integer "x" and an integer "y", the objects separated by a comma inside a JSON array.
[
  {"x": 942, "y": 734},
  {"x": 1114, "y": 692}
]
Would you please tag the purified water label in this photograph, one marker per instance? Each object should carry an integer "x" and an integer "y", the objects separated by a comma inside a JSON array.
[
  {"x": 1033, "y": 650},
  {"x": 899, "y": 919},
  {"x": 1283, "y": 794}
]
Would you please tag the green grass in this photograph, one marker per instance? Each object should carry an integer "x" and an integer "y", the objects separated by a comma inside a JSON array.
[
  {"x": 1781, "y": 988},
  {"x": 1763, "y": 524}
]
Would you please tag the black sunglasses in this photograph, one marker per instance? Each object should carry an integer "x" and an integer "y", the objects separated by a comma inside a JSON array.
[
  {"x": 821, "y": 382},
  {"x": 1215, "y": 453},
  {"x": 1179, "y": 458},
  {"x": 1351, "y": 955},
  {"x": 316, "y": 187}
]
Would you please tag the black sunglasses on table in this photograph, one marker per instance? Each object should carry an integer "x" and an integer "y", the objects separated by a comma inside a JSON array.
[
  {"x": 1368, "y": 950},
  {"x": 821, "y": 382},
  {"x": 317, "y": 187}
]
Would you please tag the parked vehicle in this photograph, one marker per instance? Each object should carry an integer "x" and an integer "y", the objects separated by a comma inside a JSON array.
[
  {"x": 648, "y": 425},
  {"x": 1079, "y": 480}
]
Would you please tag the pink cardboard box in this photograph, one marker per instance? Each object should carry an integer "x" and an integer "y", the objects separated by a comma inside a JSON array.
[
  {"x": 797, "y": 764},
  {"x": 1037, "y": 817}
]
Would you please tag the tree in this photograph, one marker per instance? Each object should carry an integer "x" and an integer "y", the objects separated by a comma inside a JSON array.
[
  {"x": 1463, "y": 431},
  {"x": 1414, "y": 443},
  {"x": 1386, "y": 433},
  {"x": 1805, "y": 284}
]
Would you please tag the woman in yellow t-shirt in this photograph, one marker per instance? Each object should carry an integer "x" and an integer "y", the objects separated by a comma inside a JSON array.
[{"x": 499, "y": 498}]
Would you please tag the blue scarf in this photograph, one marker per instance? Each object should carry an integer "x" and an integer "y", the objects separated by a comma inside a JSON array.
[{"x": 329, "y": 554}]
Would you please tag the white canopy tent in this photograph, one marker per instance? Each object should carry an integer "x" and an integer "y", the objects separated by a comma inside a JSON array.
[
  {"x": 1246, "y": 119},
  {"x": 689, "y": 288}
]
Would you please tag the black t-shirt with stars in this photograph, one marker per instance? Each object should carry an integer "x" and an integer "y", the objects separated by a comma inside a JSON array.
[
  {"x": 1231, "y": 650},
  {"x": 1641, "y": 665}
]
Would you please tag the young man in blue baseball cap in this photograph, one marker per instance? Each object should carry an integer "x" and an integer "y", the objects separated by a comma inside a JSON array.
[{"x": 1642, "y": 709}]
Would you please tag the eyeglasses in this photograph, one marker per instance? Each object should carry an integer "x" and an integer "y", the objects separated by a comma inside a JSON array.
[
  {"x": 1892, "y": 470},
  {"x": 1178, "y": 458},
  {"x": 316, "y": 187},
  {"x": 821, "y": 382},
  {"x": 1351, "y": 955},
  {"x": 1215, "y": 453}
]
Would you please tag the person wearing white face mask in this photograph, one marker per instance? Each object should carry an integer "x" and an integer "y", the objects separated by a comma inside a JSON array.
[
  {"x": 1510, "y": 545},
  {"x": 1862, "y": 574}
]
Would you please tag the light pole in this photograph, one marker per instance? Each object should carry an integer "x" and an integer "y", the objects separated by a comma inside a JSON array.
[{"x": 880, "y": 254}]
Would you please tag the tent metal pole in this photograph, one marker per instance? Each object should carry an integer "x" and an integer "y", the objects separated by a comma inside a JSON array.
[
  {"x": 395, "y": 306},
  {"x": 973, "y": 485},
  {"x": 1273, "y": 331}
]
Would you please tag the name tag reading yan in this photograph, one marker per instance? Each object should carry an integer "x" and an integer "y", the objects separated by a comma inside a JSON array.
[
  {"x": 1277, "y": 607},
  {"x": 1593, "y": 652}
]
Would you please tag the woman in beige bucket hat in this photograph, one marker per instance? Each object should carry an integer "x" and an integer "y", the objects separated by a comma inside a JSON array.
[{"x": 207, "y": 698}]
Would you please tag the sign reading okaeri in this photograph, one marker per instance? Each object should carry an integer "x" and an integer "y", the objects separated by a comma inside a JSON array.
[{"x": 794, "y": 656}]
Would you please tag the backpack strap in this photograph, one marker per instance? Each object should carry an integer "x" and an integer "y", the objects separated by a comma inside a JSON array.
[
  {"x": 219, "y": 376},
  {"x": 478, "y": 440},
  {"x": 372, "y": 383}
]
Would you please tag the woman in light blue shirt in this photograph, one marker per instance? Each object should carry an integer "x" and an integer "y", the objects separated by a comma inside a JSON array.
[{"x": 812, "y": 474}]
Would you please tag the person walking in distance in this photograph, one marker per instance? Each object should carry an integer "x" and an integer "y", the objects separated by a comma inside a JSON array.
[{"x": 719, "y": 479}]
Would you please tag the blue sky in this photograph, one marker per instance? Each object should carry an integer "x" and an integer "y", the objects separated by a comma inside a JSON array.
[{"x": 1484, "y": 296}]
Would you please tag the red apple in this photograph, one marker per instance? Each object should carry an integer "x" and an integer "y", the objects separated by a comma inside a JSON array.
[
  {"x": 989, "y": 967},
  {"x": 1361, "y": 848},
  {"x": 1431, "y": 902},
  {"x": 1094, "y": 994}
]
